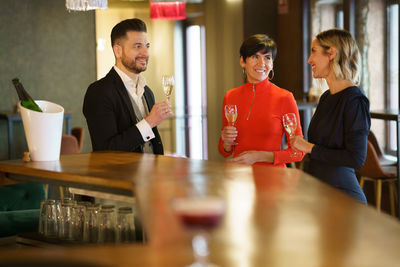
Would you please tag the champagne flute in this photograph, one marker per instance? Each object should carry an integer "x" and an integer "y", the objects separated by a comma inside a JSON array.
[
  {"x": 290, "y": 125},
  {"x": 201, "y": 214},
  {"x": 168, "y": 83},
  {"x": 231, "y": 115}
]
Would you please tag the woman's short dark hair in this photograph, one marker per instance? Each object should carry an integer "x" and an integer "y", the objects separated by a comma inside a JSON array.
[
  {"x": 258, "y": 43},
  {"x": 120, "y": 30}
]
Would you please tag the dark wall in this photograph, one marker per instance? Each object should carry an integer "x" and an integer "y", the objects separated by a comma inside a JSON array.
[
  {"x": 289, "y": 64},
  {"x": 53, "y": 53},
  {"x": 262, "y": 16}
]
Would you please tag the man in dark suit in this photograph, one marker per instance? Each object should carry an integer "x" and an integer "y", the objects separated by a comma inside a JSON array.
[{"x": 120, "y": 109}]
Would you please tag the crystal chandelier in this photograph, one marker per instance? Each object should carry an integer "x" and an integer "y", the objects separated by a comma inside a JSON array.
[{"x": 85, "y": 5}]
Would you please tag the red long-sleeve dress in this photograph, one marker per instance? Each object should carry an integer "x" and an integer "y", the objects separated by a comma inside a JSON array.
[{"x": 260, "y": 109}]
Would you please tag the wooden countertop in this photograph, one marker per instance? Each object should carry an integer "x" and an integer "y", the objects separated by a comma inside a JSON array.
[
  {"x": 274, "y": 216},
  {"x": 107, "y": 171}
]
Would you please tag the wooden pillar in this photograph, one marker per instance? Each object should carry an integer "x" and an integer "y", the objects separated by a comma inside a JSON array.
[{"x": 306, "y": 42}]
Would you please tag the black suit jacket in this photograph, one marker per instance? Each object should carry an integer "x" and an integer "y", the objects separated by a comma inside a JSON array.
[{"x": 111, "y": 119}]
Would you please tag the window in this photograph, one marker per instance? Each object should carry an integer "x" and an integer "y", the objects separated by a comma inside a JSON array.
[
  {"x": 191, "y": 119},
  {"x": 392, "y": 72},
  {"x": 196, "y": 93},
  {"x": 339, "y": 22}
]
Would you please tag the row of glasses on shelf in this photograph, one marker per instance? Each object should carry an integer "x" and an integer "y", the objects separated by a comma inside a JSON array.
[{"x": 74, "y": 221}]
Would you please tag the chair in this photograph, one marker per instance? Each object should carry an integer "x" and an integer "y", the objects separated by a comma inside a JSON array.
[
  {"x": 375, "y": 172},
  {"x": 72, "y": 143},
  {"x": 19, "y": 208},
  {"x": 383, "y": 160}
]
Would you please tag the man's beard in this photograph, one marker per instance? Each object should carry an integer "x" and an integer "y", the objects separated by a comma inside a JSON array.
[{"x": 131, "y": 65}]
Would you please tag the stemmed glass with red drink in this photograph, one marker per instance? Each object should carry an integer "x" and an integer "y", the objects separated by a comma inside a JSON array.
[{"x": 201, "y": 214}]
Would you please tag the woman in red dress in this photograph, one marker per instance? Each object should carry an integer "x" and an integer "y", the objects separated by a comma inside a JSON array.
[{"x": 257, "y": 134}]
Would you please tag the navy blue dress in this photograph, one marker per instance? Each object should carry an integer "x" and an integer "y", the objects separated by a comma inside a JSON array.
[{"x": 339, "y": 129}]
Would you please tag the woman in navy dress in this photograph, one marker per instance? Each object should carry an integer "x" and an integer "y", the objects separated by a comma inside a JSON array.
[{"x": 338, "y": 131}]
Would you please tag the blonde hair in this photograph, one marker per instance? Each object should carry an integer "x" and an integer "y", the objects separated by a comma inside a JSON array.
[{"x": 347, "y": 63}]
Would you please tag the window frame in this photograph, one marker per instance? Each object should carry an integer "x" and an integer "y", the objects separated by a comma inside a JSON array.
[{"x": 389, "y": 124}]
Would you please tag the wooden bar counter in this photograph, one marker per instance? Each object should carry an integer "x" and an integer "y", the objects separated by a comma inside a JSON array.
[{"x": 274, "y": 216}]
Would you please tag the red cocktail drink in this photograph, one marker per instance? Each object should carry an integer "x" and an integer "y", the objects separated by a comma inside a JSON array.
[
  {"x": 204, "y": 221},
  {"x": 199, "y": 212}
]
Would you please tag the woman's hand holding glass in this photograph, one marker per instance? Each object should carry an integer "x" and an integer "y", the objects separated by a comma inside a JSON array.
[
  {"x": 300, "y": 144},
  {"x": 228, "y": 135},
  {"x": 290, "y": 124},
  {"x": 296, "y": 142}
]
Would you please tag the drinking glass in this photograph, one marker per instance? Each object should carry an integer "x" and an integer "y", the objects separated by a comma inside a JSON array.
[
  {"x": 126, "y": 226},
  {"x": 91, "y": 225},
  {"x": 77, "y": 222},
  {"x": 201, "y": 214},
  {"x": 168, "y": 83},
  {"x": 231, "y": 115},
  {"x": 58, "y": 215},
  {"x": 107, "y": 226},
  {"x": 290, "y": 125},
  {"x": 65, "y": 220},
  {"x": 50, "y": 226}
]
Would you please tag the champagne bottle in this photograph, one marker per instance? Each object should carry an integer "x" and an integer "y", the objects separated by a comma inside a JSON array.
[{"x": 26, "y": 99}]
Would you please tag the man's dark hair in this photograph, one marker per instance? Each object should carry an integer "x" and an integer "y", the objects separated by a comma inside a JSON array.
[
  {"x": 258, "y": 43},
  {"x": 120, "y": 30}
]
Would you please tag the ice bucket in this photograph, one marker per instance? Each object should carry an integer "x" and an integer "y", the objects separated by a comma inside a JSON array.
[{"x": 43, "y": 130}]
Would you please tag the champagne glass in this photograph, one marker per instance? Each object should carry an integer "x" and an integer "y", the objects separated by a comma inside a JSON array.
[
  {"x": 231, "y": 115},
  {"x": 168, "y": 83},
  {"x": 201, "y": 214},
  {"x": 290, "y": 125}
]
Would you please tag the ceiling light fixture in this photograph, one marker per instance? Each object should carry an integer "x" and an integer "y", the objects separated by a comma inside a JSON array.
[
  {"x": 168, "y": 10},
  {"x": 85, "y": 5}
]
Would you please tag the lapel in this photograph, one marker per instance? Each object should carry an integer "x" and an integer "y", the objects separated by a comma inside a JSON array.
[
  {"x": 148, "y": 97},
  {"x": 121, "y": 90}
]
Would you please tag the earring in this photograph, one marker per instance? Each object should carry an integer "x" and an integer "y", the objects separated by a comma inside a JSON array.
[
  {"x": 273, "y": 74},
  {"x": 244, "y": 75}
]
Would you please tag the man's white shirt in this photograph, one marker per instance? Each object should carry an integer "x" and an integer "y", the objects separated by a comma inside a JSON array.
[{"x": 135, "y": 90}]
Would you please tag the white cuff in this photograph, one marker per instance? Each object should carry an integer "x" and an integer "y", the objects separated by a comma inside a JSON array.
[{"x": 145, "y": 130}]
